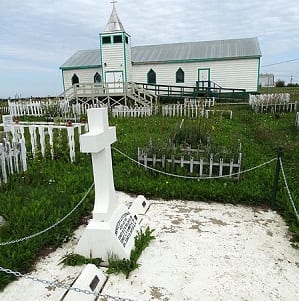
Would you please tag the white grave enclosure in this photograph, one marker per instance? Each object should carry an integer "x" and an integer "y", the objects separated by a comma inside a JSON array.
[{"x": 113, "y": 228}]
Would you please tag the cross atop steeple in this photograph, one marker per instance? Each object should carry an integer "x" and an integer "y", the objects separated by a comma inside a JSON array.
[{"x": 114, "y": 23}]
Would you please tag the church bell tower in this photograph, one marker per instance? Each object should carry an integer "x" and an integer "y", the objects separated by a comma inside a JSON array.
[{"x": 115, "y": 53}]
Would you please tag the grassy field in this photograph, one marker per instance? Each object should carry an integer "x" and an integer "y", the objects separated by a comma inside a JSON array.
[{"x": 34, "y": 200}]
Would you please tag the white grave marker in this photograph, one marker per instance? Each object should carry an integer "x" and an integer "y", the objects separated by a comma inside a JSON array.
[
  {"x": 91, "y": 279},
  {"x": 112, "y": 228}
]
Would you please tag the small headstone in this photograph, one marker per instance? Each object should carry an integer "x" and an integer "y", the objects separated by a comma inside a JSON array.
[
  {"x": 91, "y": 279},
  {"x": 140, "y": 205}
]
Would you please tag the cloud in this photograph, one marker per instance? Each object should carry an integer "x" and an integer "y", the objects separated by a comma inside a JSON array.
[{"x": 42, "y": 35}]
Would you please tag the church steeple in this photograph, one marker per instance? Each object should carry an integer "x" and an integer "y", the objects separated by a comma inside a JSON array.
[
  {"x": 114, "y": 23},
  {"x": 115, "y": 51}
]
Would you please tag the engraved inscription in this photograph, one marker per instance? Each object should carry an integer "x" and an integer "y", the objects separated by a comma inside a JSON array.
[{"x": 124, "y": 228}]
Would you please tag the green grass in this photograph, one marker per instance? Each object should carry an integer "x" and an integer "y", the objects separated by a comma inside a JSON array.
[{"x": 34, "y": 200}]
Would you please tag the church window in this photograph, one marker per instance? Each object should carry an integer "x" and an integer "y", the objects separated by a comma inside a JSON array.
[
  {"x": 127, "y": 40},
  {"x": 106, "y": 40},
  {"x": 180, "y": 76},
  {"x": 117, "y": 39},
  {"x": 75, "y": 79},
  {"x": 151, "y": 77},
  {"x": 97, "y": 78}
]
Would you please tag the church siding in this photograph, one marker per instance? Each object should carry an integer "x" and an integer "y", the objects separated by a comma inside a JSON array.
[
  {"x": 129, "y": 63},
  {"x": 113, "y": 57},
  {"x": 239, "y": 73},
  {"x": 85, "y": 76}
]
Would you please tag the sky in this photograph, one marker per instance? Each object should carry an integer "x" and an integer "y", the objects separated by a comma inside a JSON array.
[{"x": 37, "y": 37}]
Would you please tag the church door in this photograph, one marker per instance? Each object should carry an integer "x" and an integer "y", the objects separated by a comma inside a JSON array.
[
  {"x": 114, "y": 81},
  {"x": 204, "y": 78}
]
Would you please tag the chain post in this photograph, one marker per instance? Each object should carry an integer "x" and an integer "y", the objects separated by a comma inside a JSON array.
[{"x": 276, "y": 177}]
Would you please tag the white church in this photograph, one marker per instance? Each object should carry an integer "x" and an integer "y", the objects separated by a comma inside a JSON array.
[{"x": 220, "y": 64}]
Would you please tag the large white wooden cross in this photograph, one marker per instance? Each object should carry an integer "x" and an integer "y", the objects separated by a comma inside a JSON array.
[
  {"x": 113, "y": 228},
  {"x": 98, "y": 142}
]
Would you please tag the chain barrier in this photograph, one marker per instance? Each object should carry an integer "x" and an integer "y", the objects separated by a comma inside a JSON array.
[
  {"x": 288, "y": 190},
  {"x": 56, "y": 284},
  {"x": 51, "y": 227},
  {"x": 191, "y": 177}
]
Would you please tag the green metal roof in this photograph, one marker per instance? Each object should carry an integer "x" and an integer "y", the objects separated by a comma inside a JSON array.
[{"x": 191, "y": 51}]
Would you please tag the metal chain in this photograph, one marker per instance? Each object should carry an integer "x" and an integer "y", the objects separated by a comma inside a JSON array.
[
  {"x": 61, "y": 285},
  {"x": 52, "y": 226},
  {"x": 190, "y": 177},
  {"x": 288, "y": 190}
]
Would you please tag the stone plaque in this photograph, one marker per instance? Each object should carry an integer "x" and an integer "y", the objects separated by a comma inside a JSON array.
[{"x": 124, "y": 228}]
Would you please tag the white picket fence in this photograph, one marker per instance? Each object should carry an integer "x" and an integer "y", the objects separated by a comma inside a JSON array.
[
  {"x": 182, "y": 110},
  {"x": 4, "y": 108},
  {"x": 222, "y": 113},
  {"x": 200, "y": 167},
  {"x": 42, "y": 136},
  {"x": 125, "y": 111},
  {"x": 199, "y": 101},
  {"x": 192, "y": 107},
  {"x": 71, "y": 111},
  {"x": 277, "y": 102},
  {"x": 12, "y": 158}
]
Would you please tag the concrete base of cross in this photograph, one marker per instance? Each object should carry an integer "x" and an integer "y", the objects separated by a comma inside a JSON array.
[{"x": 113, "y": 236}]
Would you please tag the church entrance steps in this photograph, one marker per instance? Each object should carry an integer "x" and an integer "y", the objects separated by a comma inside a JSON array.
[{"x": 109, "y": 95}]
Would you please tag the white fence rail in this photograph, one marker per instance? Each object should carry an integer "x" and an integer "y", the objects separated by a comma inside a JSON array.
[
  {"x": 42, "y": 138},
  {"x": 50, "y": 108},
  {"x": 277, "y": 102},
  {"x": 192, "y": 107},
  {"x": 221, "y": 113},
  {"x": 200, "y": 167},
  {"x": 4, "y": 108},
  {"x": 182, "y": 110},
  {"x": 199, "y": 101},
  {"x": 12, "y": 158},
  {"x": 125, "y": 111}
]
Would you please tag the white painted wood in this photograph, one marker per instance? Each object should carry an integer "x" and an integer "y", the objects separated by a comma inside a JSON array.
[
  {"x": 91, "y": 279},
  {"x": 113, "y": 228},
  {"x": 97, "y": 142},
  {"x": 71, "y": 140},
  {"x": 239, "y": 73},
  {"x": 85, "y": 75},
  {"x": 140, "y": 205}
]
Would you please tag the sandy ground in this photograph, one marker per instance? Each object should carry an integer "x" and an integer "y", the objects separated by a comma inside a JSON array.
[{"x": 201, "y": 252}]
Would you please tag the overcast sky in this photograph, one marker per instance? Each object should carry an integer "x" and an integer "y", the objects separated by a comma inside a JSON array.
[{"x": 37, "y": 37}]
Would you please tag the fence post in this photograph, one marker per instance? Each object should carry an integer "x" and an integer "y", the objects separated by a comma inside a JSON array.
[{"x": 276, "y": 177}]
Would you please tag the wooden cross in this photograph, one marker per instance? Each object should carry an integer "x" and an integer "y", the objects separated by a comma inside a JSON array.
[{"x": 98, "y": 142}]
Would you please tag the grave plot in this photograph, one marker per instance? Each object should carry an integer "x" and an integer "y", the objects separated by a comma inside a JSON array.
[
  {"x": 276, "y": 102},
  {"x": 191, "y": 151},
  {"x": 23, "y": 141}
]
